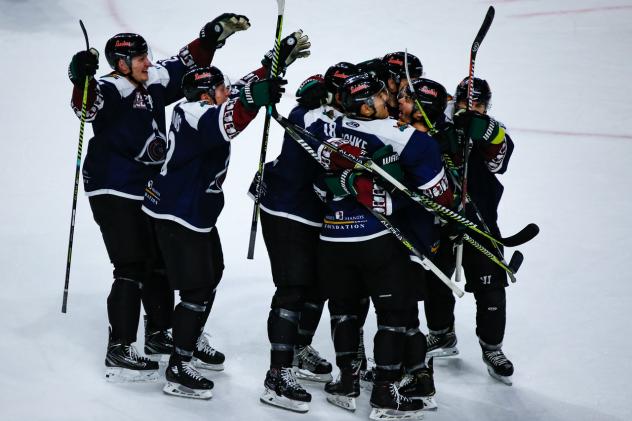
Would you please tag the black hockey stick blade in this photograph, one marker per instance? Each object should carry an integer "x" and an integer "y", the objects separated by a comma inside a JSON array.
[
  {"x": 526, "y": 234},
  {"x": 487, "y": 22},
  {"x": 516, "y": 261}
]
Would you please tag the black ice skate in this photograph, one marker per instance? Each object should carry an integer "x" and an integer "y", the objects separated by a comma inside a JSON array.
[
  {"x": 284, "y": 391},
  {"x": 420, "y": 386},
  {"x": 185, "y": 381},
  {"x": 158, "y": 344},
  {"x": 344, "y": 390},
  {"x": 498, "y": 366},
  {"x": 442, "y": 343},
  {"x": 207, "y": 357},
  {"x": 124, "y": 364},
  {"x": 389, "y": 404},
  {"x": 309, "y": 365}
]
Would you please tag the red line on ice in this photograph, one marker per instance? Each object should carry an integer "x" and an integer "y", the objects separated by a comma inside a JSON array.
[
  {"x": 566, "y": 133},
  {"x": 570, "y": 12}
]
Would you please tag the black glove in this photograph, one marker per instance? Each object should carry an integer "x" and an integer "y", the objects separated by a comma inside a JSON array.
[
  {"x": 83, "y": 64},
  {"x": 262, "y": 92},
  {"x": 312, "y": 93},
  {"x": 214, "y": 33},
  {"x": 292, "y": 47},
  {"x": 479, "y": 127},
  {"x": 448, "y": 139}
]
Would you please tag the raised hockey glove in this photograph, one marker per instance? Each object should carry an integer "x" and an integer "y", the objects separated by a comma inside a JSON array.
[
  {"x": 334, "y": 160},
  {"x": 292, "y": 47},
  {"x": 262, "y": 92},
  {"x": 388, "y": 160},
  {"x": 481, "y": 128},
  {"x": 312, "y": 93},
  {"x": 214, "y": 33},
  {"x": 84, "y": 63}
]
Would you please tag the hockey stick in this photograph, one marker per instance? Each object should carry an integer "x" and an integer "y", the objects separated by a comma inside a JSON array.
[
  {"x": 370, "y": 166},
  {"x": 274, "y": 71},
  {"x": 71, "y": 236},
  {"x": 425, "y": 262},
  {"x": 487, "y": 22}
]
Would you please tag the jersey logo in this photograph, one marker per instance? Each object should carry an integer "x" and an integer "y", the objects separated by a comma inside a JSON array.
[
  {"x": 486, "y": 279},
  {"x": 339, "y": 215},
  {"x": 155, "y": 148},
  {"x": 352, "y": 124},
  {"x": 143, "y": 101}
]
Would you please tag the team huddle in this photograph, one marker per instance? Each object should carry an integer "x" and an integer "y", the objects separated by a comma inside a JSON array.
[{"x": 336, "y": 214}]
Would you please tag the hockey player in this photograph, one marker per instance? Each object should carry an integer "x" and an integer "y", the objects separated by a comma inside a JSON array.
[
  {"x": 490, "y": 156},
  {"x": 126, "y": 109},
  {"x": 357, "y": 252},
  {"x": 185, "y": 199},
  {"x": 291, "y": 217}
]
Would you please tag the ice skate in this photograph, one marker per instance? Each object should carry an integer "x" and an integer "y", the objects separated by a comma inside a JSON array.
[
  {"x": 344, "y": 391},
  {"x": 420, "y": 386},
  {"x": 124, "y": 364},
  {"x": 498, "y": 366},
  {"x": 309, "y": 365},
  {"x": 389, "y": 404},
  {"x": 185, "y": 381},
  {"x": 282, "y": 390},
  {"x": 442, "y": 343},
  {"x": 205, "y": 356},
  {"x": 158, "y": 345}
]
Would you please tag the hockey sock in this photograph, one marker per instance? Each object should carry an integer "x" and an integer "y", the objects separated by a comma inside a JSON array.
[
  {"x": 158, "y": 301},
  {"x": 207, "y": 312},
  {"x": 438, "y": 305},
  {"x": 415, "y": 344},
  {"x": 310, "y": 317},
  {"x": 389, "y": 343},
  {"x": 187, "y": 319},
  {"x": 491, "y": 315},
  {"x": 282, "y": 326},
  {"x": 124, "y": 309},
  {"x": 345, "y": 331}
]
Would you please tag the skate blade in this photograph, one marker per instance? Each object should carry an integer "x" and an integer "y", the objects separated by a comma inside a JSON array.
[
  {"x": 503, "y": 379},
  {"x": 344, "y": 402},
  {"x": 125, "y": 375},
  {"x": 185, "y": 392},
  {"x": 429, "y": 403},
  {"x": 206, "y": 366},
  {"x": 271, "y": 398},
  {"x": 380, "y": 414},
  {"x": 303, "y": 374},
  {"x": 442, "y": 352}
]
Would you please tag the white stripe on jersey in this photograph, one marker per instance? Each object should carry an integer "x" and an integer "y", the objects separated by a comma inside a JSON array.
[
  {"x": 176, "y": 219},
  {"x": 435, "y": 180},
  {"x": 353, "y": 239},
  {"x": 114, "y": 193},
  {"x": 194, "y": 110}
]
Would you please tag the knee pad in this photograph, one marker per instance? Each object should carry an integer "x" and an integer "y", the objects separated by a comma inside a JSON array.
[
  {"x": 492, "y": 300},
  {"x": 133, "y": 272},
  {"x": 289, "y": 297},
  {"x": 395, "y": 321}
]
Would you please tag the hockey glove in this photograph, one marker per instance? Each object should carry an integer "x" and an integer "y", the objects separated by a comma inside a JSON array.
[
  {"x": 388, "y": 160},
  {"x": 262, "y": 92},
  {"x": 334, "y": 160},
  {"x": 448, "y": 139},
  {"x": 312, "y": 93},
  {"x": 83, "y": 64},
  {"x": 481, "y": 128},
  {"x": 214, "y": 33},
  {"x": 363, "y": 187},
  {"x": 292, "y": 47}
]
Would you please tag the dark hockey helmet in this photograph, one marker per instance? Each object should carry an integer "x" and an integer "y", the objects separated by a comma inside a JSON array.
[
  {"x": 202, "y": 80},
  {"x": 481, "y": 92},
  {"x": 358, "y": 90},
  {"x": 337, "y": 74},
  {"x": 312, "y": 92},
  {"x": 125, "y": 46},
  {"x": 432, "y": 96},
  {"x": 396, "y": 65},
  {"x": 376, "y": 67}
]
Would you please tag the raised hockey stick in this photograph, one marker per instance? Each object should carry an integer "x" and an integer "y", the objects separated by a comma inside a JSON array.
[
  {"x": 367, "y": 164},
  {"x": 487, "y": 22},
  {"x": 425, "y": 262},
  {"x": 71, "y": 236},
  {"x": 274, "y": 71}
]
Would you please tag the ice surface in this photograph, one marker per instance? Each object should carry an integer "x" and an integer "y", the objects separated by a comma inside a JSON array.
[{"x": 554, "y": 66}]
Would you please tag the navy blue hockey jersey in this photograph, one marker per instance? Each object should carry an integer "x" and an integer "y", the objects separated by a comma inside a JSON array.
[
  {"x": 128, "y": 121},
  {"x": 287, "y": 189}
]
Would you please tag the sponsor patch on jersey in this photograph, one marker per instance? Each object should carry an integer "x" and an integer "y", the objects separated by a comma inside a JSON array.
[
  {"x": 143, "y": 101},
  {"x": 352, "y": 124},
  {"x": 339, "y": 216}
]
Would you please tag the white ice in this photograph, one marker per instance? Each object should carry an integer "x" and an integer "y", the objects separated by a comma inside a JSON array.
[{"x": 560, "y": 73}]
